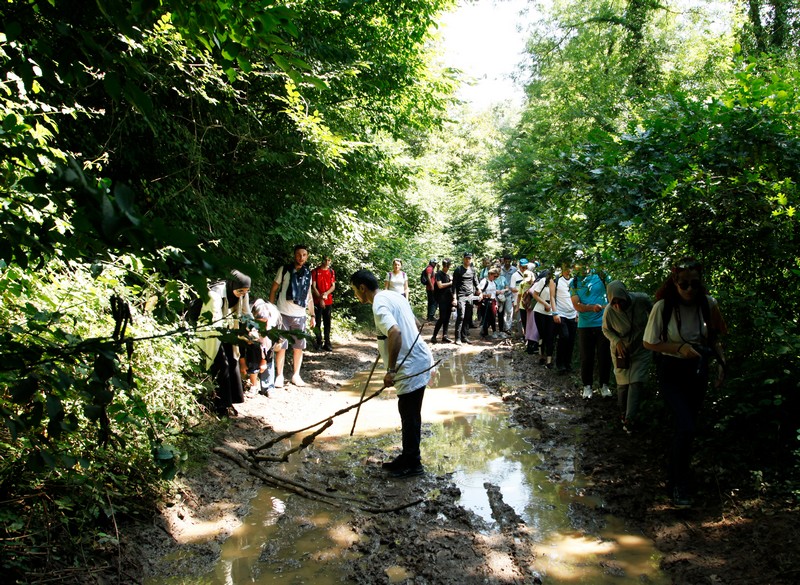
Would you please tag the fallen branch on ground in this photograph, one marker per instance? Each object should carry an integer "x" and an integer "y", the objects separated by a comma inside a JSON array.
[{"x": 306, "y": 491}]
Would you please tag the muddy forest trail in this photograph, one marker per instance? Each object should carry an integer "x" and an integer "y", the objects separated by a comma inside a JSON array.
[{"x": 438, "y": 541}]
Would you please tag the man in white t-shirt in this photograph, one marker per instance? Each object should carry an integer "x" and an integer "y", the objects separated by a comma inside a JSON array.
[
  {"x": 291, "y": 292},
  {"x": 407, "y": 359}
]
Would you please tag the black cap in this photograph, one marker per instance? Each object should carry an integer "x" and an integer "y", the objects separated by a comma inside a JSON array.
[
  {"x": 446, "y": 262},
  {"x": 467, "y": 254}
]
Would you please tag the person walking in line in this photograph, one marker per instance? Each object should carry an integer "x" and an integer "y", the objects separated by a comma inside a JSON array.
[
  {"x": 544, "y": 293},
  {"x": 514, "y": 287},
  {"x": 506, "y": 298},
  {"x": 323, "y": 283},
  {"x": 397, "y": 280},
  {"x": 588, "y": 292},
  {"x": 487, "y": 290},
  {"x": 407, "y": 359},
  {"x": 446, "y": 300},
  {"x": 291, "y": 292},
  {"x": 465, "y": 283},
  {"x": 566, "y": 320},
  {"x": 429, "y": 280},
  {"x": 684, "y": 329},
  {"x": 624, "y": 322}
]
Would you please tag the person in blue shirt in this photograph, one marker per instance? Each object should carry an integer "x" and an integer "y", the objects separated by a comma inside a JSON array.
[{"x": 588, "y": 293}]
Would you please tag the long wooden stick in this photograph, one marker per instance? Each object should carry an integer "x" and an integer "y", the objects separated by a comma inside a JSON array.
[
  {"x": 280, "y": 438},
  {"x": 364, "y": 391}
]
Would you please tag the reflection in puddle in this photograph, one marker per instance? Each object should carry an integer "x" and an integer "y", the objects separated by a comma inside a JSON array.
[{"x": 466, "y": 433}]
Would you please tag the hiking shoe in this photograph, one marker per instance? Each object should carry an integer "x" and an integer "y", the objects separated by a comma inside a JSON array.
[
  {"x": 605, "y": 391},
  {"x": 465, "y": 340},
  {"x": 279, "y": 381},
  {"x": 458, "y": 342},
  {"x": 680, "y": 499},
  {"x": 395, "y": 464},
  {"x": 432, "y": 340},
  {"x": 327, "y": 346},
  {"x": 587, "y": 391},
  {"x": 446, "y": 339},
  {"x": 412, "y": 471}
]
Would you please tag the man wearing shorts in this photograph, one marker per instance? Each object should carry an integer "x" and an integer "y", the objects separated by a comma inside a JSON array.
[{"x": 292, "y": 291}]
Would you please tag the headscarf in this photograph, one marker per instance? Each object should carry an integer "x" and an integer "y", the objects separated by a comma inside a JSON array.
[
  {"x": 236, "y": 281},
  {"x": 629, "y": 323}
]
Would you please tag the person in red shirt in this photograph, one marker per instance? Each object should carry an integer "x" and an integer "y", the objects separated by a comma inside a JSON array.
[{"x": 323, "y": 282}]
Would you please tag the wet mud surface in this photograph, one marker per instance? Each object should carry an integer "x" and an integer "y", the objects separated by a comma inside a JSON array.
[{"x": 724, "y": 539}]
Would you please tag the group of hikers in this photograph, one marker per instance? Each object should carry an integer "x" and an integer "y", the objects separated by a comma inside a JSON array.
[{"x": 616, "y": 330}]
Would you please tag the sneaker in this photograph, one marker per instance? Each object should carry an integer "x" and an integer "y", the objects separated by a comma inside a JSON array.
[
  {"x": 465, "y": 340},
  {"x": 395, "y": 464},
  {"x": 587, "y": 391},
  {"x": 432, "y": 340},
  {"x": 458, "y": 342},
  {"x": 279, "y": 381},
  {"x": 446, "y": 339},
  {"x": 298, "y": 381},
  {"x": 327, "y": 346},
  {"x": 605, "y": 391},
  {"x": 412, "y": 471},
  {"x": 680, "y": 499}
]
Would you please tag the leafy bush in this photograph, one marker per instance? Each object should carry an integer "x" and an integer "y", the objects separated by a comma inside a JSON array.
[{"x": 94, "y": 416}]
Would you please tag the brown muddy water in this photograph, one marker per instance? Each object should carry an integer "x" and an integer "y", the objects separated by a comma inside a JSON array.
[{"x": 466, "y": 432}]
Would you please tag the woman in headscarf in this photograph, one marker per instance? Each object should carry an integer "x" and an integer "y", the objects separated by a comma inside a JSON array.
[
  {"x": 228, "y": 300},
  {"x": 624, "y": 322}
]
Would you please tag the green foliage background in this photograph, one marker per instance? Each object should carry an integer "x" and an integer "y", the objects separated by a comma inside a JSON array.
[{"x": 150, "y": 145}]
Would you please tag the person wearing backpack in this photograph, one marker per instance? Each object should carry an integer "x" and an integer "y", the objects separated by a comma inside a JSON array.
[
  {"x": 465, "y": 283},
  {"x": 544, "y": 293},
  {"x": 444, "y": 296},
  {"x": 397, "y": 280},
  {"x": 588, "y": 292},
  {"x": 624, "y": 322},
  {"x": 428, "y": 278},
  {"x": 684, "y": 329},
  {"x": 566, "y": 321},
  {"x": 291, "y": 293}
]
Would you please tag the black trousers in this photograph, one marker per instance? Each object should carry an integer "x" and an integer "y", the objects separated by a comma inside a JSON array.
[
  {"x": 567, "y": 331},
  {"x": 445, "y": 308},
  {"x": 684, "y": 388},
  {"x": 432, "y": 304},
  {"x": 463, "y": 317},
  {"x": 592, "y": 343},
  {"x": 547, "y": 331},
  {"x": 322, "y": 316},
  {"x": 410, "y": 407}
]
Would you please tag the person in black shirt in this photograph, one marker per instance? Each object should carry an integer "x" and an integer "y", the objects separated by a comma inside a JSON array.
[
  {"x": 465, "y": 282},
  {"x": 444, "y": 296}
]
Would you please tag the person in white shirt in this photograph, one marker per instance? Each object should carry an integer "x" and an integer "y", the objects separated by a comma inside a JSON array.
[
  {"x": 397, "y": 280},
  {"x": 408, "y": 361},
  {"x": 291, "y": 292},
  {"x": 566, "y": 320}
]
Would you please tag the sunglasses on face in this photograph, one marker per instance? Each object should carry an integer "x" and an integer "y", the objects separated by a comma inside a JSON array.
[{"x": 685, "y": 284}]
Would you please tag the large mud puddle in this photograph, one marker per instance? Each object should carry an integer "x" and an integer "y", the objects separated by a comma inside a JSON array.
[{"x": 467, "y": 436}]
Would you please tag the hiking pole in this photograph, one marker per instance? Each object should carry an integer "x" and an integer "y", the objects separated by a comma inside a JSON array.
[{"x": 363, "y": 392}]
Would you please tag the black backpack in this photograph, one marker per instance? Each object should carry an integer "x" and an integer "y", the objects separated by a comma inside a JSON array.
[{"x": 423, "y": 278}]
